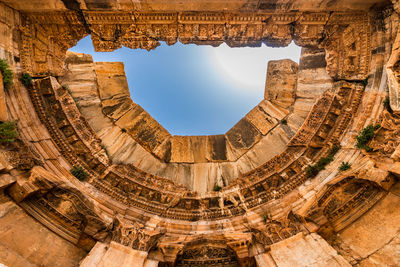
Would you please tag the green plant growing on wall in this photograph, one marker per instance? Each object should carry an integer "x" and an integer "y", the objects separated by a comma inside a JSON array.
[
  {"x": 344, "y": 166},
  {"x": 386, "y": 104},
  {"x": 66, "y": 87},
  {"x": 79, "y": 173},
  {"x": 266, "y": 216},
  {"x": 365, "y": 136},
  {"x": 8, "y": 132},
  {"x": 26, "y": 79},
  {"x": 217, "y": 188},
  {"x": 313, "y": 170},
  {"x": 105, "y": 149},
  {"x": 7, "y": 74}
]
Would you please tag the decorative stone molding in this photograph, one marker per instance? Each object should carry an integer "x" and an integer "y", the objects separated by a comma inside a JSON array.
[
  {"x": 133, "y": 187},
  {"x": 342, "y": 202},
  {"x": 275, "y": 231},
  {"x": 345, "y": 36},
  {"x": 134, "y": 235}
]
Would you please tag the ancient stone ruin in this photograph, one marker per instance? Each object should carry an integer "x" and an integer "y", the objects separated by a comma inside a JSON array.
[{"x": 309, "y": 177}]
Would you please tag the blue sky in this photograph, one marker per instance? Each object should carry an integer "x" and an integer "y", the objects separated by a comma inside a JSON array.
[{"x": 195, "y": 90}]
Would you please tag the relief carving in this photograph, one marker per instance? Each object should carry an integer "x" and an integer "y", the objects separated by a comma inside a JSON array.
[{"x": 134, "y": 235}]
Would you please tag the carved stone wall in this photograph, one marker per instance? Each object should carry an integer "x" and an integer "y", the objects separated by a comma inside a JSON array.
[{"x": 275, "y": 213}]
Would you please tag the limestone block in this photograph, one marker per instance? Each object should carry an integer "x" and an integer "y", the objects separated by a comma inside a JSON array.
[
  {"x": 143, "y": 128},
  {"x": 309, "y": 250},
  {"x": 181, "y": 150},
  {"x": 39, "y": 180},
  {"x": 117, "y": 107},
  {"x": 3, "y": 107},
  {"x": 199, "y": 146},
  {"x": 96, "y": 118},
  {"x": 217, "y": 148},
  {"x": 163, "y": 151},
  {"x": 205, "y": 176},
  {"x": 370, "y": 172},
  {"x": 118, "y": 255},
  {"x": 111, "y": 80},
  {"x": 265, "y": 260},
  {"x": 392, "y": 70},
  {"x": 312, "y": 58},
  {"x": 26, "y": 238},
  {"x": 95, "y": 256},
  {"x": 4, "y": 164},
  {"x": 388, "y": 255},
  {"x": 395, "y": 169},
  {"x": 74, "y": 58},
  {"x": 243, "y": 136},
  {"x": 375, "y": 228},
  {"x": 130, "y": 116},
  {"x": 276, "y": 142},
  {"x": 396, "y": 154},
  {"x": 6, "y": 180},
  {"x": 273, "y": 110},
  {"x": 280, "y": 84},
  {"x": 261, "y": 120},
  {"x": 12, "y": 258},
  {"x": 150, "y": 263}
]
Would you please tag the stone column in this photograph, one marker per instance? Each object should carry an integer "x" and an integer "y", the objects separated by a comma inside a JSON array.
[{"x": 116, "y": 255}]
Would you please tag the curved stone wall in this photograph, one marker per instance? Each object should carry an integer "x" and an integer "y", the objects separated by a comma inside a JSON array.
[{"x": 295, "y": 209}]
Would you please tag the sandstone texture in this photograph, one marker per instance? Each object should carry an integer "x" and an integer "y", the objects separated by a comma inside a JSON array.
[{"x": 309, "y": 177}]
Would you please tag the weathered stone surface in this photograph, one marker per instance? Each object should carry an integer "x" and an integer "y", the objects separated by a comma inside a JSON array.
[
  {"x": 309, "y": 250},
  {"x": 3, "y": 107},
  {"x": 375, "y": 229},
  {"x": 111, "y": 80},
  {"x": 25, "y": 238},
  {"x": 243, "y": 135},
  {"x": 261, "y": 189},
  {"x": 181, "y": 150},
  {"x": 217, "y": 147},
  {"x": 199, "y": 145},
  {"x": 281, "y": 82},
  {"x": 261, "y": 120},
  {"x": 210, "y": 5},
  {"x": 6, "y": 180}
]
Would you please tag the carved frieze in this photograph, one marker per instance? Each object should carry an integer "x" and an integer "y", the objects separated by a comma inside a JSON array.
[
  {"x": 344, "y": 202},
  {"x": 387, "y": 137},
  {"x": 134, "y": 235},
  {"x": 68, "y": 213},
  {"x": 135, "y": 188},
  {"x": 345, "y": 36},
  {"x": 275, "y": 231}
]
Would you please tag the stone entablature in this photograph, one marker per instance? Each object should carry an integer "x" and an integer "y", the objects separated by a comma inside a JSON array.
[
  {"x": 344, "y": 36},
  {"x": 324, "y": 127}
]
